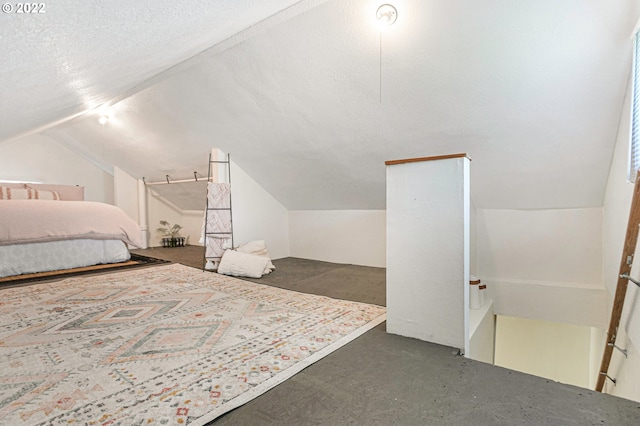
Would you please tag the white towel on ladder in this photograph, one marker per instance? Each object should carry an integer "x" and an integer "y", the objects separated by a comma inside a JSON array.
[
  {"x": 219, "y": 195},
  {"x": 216, "y": 246},
  {"x": 218, "y": 221}
]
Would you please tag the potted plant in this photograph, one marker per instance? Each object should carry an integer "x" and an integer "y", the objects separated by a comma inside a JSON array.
[{"x": 170, "y": 234}]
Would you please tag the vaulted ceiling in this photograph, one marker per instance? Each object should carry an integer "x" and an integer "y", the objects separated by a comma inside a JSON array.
[{"x": 310, "y": 98}]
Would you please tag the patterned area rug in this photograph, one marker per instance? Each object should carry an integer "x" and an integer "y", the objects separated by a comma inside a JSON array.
[{"x": 165, "y": 345}]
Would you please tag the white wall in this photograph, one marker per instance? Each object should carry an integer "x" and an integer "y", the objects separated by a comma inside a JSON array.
[
  {"x": 158, "y": 209},
  {"x": 550, "y": 246},
  {"x": 617, "y": 203},
  {"x": 555, "y": 351},
  {"x": 42, "y": 159},
  {"x": 130, "y": 195},
  {"x": 473, "y": 239},
  {"x": 342, "y": 236},
  {"x": 543, "y": 264},
  {"x": 598, "y": 339},
  {"x": 257, "y": 215},
  {"x": 126, "y": 193}
]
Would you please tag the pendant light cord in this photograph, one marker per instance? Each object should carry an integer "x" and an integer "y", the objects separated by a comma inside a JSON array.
[{"x": 380, "y": 72}]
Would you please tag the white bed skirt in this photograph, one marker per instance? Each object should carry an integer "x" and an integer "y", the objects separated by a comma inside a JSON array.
[{"x": 20, "y": 259}]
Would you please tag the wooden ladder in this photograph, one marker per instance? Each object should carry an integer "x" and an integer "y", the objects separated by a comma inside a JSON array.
[{"x": 623, "y": 280}]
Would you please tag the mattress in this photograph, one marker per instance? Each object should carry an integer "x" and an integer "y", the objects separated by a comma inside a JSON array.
[{"x": 28, "y": 258}]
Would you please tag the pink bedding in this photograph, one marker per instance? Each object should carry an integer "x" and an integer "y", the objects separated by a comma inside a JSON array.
[{"x": 29, "y": 221}]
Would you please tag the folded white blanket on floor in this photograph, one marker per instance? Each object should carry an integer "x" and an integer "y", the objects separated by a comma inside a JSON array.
[
  {"x": 242, "y": 264},
  {"x": 258, "y": 248}
]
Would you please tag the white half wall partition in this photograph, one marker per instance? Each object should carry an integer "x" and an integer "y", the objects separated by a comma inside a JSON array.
[
  {"x": 428, "y": 243},
  {"x": 129, "y": 195}
]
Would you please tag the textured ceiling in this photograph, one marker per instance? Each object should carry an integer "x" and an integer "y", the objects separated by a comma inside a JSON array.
[
  {"x": 312, "y": 103},
  {"x": 79, "y": 55}
]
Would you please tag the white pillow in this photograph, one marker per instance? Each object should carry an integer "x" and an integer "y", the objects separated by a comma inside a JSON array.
[{"x": 242, "y": 264}]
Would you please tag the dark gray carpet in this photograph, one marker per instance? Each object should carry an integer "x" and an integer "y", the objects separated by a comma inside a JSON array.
[
  {"x": 347, "y": 282},
  {"x": 383, "y": 379}
]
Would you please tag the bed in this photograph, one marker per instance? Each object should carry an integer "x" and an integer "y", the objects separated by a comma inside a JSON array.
[{"x": 50, "y": 227}]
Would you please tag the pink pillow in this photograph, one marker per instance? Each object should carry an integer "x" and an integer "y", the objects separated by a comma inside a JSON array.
[
  {"x": 7, "y": 193},
  {"x": 67, "y": 192}
]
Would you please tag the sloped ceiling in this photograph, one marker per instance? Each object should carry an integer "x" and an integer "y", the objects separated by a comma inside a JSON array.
[{"x": 312, "y": 100}]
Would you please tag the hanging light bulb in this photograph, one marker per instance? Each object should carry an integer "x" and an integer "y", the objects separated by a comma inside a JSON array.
[{"x": 386, "y": 15}]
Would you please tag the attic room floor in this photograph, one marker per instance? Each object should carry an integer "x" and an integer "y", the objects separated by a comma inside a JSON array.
[{"x": 384, "y": 379}]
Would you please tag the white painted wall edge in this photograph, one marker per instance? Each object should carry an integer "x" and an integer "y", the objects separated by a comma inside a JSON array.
[
  {"x": 482, "y": 337},
  {"x": 466, "y": 209},
  {"x": 578, "y": 306},
  {"x": 540, "y": 283},
  {"x": 143, "y": 214},
  {"x": 129, "y": 195},
  {"x": 476, "y": 316}
]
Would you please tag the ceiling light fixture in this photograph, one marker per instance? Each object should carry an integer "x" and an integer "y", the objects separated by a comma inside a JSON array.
[
  {"x": 103, "y": 119},
  {"x": 386, "y": 15}
]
